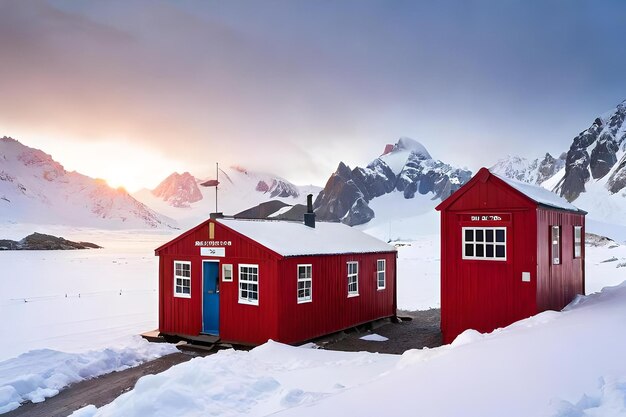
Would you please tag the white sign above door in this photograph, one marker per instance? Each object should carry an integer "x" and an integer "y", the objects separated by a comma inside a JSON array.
[{"x": 219, "y": 252}]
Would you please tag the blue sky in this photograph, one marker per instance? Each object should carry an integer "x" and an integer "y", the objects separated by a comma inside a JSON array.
[{"x": 293, "y": 87}]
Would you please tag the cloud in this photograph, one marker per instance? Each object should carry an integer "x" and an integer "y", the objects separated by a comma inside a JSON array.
[{"x": 295, "y": 87}]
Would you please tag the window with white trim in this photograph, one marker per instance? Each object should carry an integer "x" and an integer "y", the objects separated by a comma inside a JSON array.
[
  {"x": 305, "y": 283},
  {"x": 182, "y": 279},
  {"x": 485, "y": 243},
  {"x": 556, "y": 245},
  {"x": 380, "y": 274},
  {"x": 227, "y": 272},
  {"x": 353, "y": 279},
  {"x": 249, "y": 284},
  {"x": 578, "y": 241}
]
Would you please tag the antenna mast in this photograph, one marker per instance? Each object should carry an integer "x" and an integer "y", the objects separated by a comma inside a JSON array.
[{"x": 217, "y": 181}]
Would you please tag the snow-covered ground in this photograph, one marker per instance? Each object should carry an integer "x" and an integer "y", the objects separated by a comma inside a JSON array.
[
  {"x": 78, "y": 300},
  {"x": 73, "y": 302},
  {"x": 42, "y": 373},
  {"x": 554, "y": 364}
]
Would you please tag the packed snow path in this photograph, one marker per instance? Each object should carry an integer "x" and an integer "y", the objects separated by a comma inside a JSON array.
[{"x": 98, "y": 391}]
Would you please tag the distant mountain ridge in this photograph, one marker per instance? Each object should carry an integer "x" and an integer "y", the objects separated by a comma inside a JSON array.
[
  {"x": 190, "y": 199},
  {"x": 406, "y": 167},
  {"x": 534, "y": 171},
  {"x": 591, "y": 174},
  {"x": 34, "y": 188}
]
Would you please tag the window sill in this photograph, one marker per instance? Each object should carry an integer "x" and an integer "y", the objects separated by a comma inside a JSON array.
[
  {"x": 182, "y": 295},
  {"x": 352, "y": 295},
  {"x": 250, "y": 303},
  {"x": 304, "y": 301},
  {"x": 381, "y": 289}
]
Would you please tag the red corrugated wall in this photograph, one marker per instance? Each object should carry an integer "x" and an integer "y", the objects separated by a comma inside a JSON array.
[
  {"x": 485, "y": 294},
  {"x": 557, "y": 285},
  {"x": 238, "y": 322},
  {"x": 331, "y": 310}
]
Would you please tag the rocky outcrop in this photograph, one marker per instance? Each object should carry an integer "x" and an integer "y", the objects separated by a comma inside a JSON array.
[{"x": 40, "y": 241}]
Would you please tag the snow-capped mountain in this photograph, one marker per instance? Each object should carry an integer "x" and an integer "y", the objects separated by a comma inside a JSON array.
[
  {"x": 190, "y": 200},
  {"x": 534, "y": 171},
  {"x": 34, "y": 188},
  {"x": 592, "y": 174},
  {"x": 405, "y": 168},
  {"x": 179, "y": 190},
  {"x": 594, "y": 156}
]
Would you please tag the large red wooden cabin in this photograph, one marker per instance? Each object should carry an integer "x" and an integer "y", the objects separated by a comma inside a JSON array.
[
  {"x": 248, "y": 281},
  {"x": 509, "y": 250}
]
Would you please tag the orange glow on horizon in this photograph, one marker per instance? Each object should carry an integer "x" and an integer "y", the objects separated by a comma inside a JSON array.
[{"x": 119, "y": 163}]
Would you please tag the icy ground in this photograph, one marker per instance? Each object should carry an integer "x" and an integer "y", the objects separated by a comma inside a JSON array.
[{"x": 554, "y": 364}]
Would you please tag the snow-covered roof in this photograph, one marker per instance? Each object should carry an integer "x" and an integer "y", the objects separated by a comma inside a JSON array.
[
  {"x": 294, "y": 238},
  {"x": 539, "y": 195}
]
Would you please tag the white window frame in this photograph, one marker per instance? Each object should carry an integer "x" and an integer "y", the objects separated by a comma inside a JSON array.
[
  {"x": 304, "y": 280},
  {"x": 183, "y": 279},
  {"x": 555, "y": 246},
  {"x": 227, "y": 272},
  {"x": 484, "y": 244},
  {"x": 578, "y": 242},
  {"x": 248, "y": 300},
  {"x": 380, "y": 273},
  {"x": 353, "y": 276}
]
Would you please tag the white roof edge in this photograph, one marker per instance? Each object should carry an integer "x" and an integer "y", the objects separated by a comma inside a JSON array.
[{"x": 539, "y": 194}]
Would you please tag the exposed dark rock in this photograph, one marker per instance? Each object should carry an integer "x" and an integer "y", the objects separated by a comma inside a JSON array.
[
  {"x": 617, "y": 180},
  {"x": 39, "y": 241},
  {"x": 338, "y": 196},
  {"x": 549, "y": 166},
  {"x": 359, "y": 213},
  {"x": 261, "y": 211},
  {"x": 606, "y": 136},
  {"x": 603, "y": 156}
]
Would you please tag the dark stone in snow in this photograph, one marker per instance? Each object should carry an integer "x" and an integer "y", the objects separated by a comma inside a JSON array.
[{"x": 39, "y": 241}]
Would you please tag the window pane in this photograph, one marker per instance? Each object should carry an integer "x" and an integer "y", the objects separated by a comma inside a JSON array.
[
  {"x": 480, "y": 251},
  {"x": 489, "y": 251},
  {"x": 489, "y": 235},
  {"x": 500, "y": 252},
  {"x": 499, "y": 235},
  {"x": 469, "y": 249},
  {"x": 469, "y": 235},
  {"x": 479, "y": 235}
]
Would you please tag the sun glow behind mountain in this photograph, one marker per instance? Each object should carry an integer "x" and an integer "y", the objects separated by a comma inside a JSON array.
[{"x": 119, "y": 162}]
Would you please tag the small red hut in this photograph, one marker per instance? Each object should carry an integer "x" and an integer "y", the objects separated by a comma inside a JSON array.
[
  {"x": 509, "y": 250},
  {"x": 247, "y": 281}
]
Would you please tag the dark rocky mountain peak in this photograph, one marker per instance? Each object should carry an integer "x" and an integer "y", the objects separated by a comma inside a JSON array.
[
  {"x": 407, "y": 168},
  {"x": 593, "y": 154}
]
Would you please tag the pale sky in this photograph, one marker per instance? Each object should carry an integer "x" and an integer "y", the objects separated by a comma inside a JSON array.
[{"x": 131, "y": 91}]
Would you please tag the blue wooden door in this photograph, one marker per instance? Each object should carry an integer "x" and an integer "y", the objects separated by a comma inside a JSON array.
[{"x": 210, "y": 298}]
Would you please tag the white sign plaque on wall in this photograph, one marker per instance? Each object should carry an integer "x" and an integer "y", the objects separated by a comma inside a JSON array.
[{"x": 219, "y": 252}]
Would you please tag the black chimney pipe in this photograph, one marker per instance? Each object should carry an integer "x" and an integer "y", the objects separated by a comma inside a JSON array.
[{"x": 309, "y": 216}]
